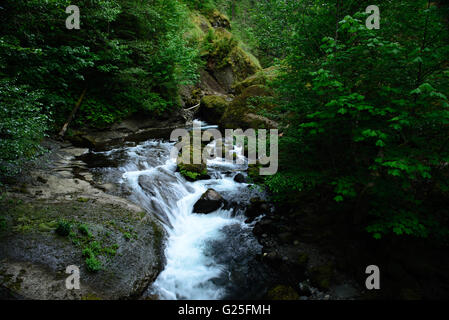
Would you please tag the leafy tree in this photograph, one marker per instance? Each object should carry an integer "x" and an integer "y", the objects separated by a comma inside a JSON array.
[{"x": 367, "y": 116}]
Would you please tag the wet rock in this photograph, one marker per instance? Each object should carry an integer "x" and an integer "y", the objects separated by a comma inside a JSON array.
[
  {"x": 41, "y": 180},
  {"x": 210, "y": 201},
  {"x": 321, "y": 276},
  {"x": 304, "y": 289},
  {"x": 264, "y": 226},
  {"x": 285, "y": 237},
  {"x": 240, "y": 178},
  {"x": 34, "y": 246},
  {"x": 257, "y": 207}
]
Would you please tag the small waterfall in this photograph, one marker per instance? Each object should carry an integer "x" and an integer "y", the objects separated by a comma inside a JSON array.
[{"x": 210, "y": 256}]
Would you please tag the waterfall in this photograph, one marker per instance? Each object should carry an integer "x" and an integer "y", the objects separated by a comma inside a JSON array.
[{"x": 208, "y": 256}]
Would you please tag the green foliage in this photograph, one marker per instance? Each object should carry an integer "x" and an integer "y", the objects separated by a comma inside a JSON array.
[
  {"x": 84, "y": 230},
  {"x": 365, "y": 115},
  {"x": 200, "y": 5},
  {"x": 93, "y": 264},
  {"x": 3, "y": 224},
  {"x": 22, "y": 125},
  {"x": 64, "y": 227},
  {"x": 130, "y": 55}
]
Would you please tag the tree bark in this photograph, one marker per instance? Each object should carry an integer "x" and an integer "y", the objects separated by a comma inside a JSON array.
[{"x": 72, "y": 114}]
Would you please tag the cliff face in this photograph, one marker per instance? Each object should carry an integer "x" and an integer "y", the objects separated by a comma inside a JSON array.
[
  {"x": 225, "y": 60},
  {"x": 232, "y": 88}
]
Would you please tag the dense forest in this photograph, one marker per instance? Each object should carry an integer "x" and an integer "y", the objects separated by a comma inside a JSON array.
[{"x": 363, "y": 113}]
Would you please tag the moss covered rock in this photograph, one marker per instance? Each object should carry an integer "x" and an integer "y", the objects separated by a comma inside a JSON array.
[
  {"x": 322, "y": 276},
  {"x": 218, "y": 19},
  {"x": 212, "y": 108},
  {"x": 241, "y": 112},
  {"x": 190, "y": 170},
  {"x": 226, "y": 59},
  {"x": 259, "y": 78},
  {"x": 282, "y": 292}
]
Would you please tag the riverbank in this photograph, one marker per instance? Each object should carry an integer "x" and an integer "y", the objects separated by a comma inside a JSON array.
[{"x": 115, "y": 243}]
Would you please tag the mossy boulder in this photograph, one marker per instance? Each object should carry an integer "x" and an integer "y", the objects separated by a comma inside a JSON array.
[
  {"x": 227, "y": 61},
  {"x": 212, "y": 108},
  {"x": 193, "y": 172},
  {"x": 35, "y": 256},
  {"x": 322, "y": 276},
  {"x": 282, "y": 292},
  {"x": 259, "y": 78},
  {"x": 201, "y": 23},
  {"x": 241, "y": 113},
  {"x": 218, "y": 19},
  {"x": 190, "y": 170}
]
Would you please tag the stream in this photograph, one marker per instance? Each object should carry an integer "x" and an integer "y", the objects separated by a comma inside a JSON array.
[{"x": 207, "y": 256}]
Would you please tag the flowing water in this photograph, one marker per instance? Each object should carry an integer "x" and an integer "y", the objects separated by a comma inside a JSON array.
[{"x": 207, "y": 256}]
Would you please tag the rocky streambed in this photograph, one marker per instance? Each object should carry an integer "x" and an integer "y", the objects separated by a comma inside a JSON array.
[{"x": 153, "y": 233}]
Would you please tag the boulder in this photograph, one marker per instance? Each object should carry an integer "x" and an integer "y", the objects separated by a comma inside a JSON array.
[
  {"x": 321, "y": 276},
  {"x": 256, "y": 208},
  {"x": 210, "y": 201},
  {"x": 218, "y": 20},
  {"x": 193, "y": 172},
  {"x": 259, "y": 78},
  {"x": 190, "y": 170},
  {"x": 212, "y": 108},
  {"x": 240, "y": 178},
  {"x": 237, "y": 114}
]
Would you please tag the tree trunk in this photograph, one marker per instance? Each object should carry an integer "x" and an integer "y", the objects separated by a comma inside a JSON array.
[{"x": 72, "y": 114}]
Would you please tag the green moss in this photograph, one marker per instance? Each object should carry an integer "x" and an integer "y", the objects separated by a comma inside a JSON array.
[
  {"x": 90, "y": 296},
  {"x": 235, "y": 114},
  {"x": 303, "y": 258},
  {"x": 3, "y": 223},
  {"x": 83, "y": 199},
  {"x": 64, "y": 228},
  {"x": 110, "y": 251},
  {"x": 261, "y": 77},
  {"x": 142, "y": 214},
  {"x": 218, "y": 19},
  {"x": 212, "y": 108},
  {"x": 93, "y": 264},
  {"x": 282, "y": 292},
  {"x": 321, "y": 276},
  {"x": 254, "y": 173},
  {"x": 84, "y": 230},
  {"x": 87, "y": 253},
  {"x": 44, "y": 227}
]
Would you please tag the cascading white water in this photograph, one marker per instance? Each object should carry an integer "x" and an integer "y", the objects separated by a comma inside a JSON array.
[{"x": 192, "y": 270}]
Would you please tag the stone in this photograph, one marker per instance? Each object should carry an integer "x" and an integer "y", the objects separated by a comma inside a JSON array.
[
  {"x": 240, "y": 178},
  {"x": 212, "y": 108},
  {"x": 210, "y": 201}
]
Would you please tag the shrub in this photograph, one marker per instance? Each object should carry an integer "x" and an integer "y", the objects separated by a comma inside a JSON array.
[
  {"x": 64, "y": 228},
  {"x": 93, "y": 264},
  {"x": 84, "y": 230}
]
